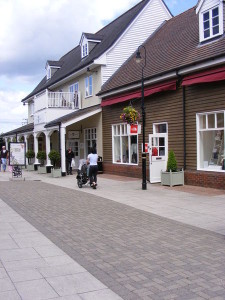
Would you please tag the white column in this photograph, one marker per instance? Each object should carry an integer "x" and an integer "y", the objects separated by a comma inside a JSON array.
[
  {"x": 48, "y": 148},
  {"x": 26, "y": 141},
  {"x": 35, "y": 147},
  {"x": 63, "y": 149}
]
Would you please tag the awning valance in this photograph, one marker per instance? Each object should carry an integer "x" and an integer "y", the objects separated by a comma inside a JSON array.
[
  {"x": 161, "y": 87},
  {"x": 206, "y": 76}
]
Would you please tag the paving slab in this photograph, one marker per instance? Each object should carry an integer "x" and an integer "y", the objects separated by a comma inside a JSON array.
[{"x": 133, "y": 252}]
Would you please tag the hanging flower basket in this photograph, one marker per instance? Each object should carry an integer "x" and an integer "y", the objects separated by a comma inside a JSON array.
[{"x": 130, "y": 115}]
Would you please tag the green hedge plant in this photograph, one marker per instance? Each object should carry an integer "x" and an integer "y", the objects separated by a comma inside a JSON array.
[
  {"x": 41, "y": 155},
  {"x": 55, "y": 158},
  {"x": 30, "y": 154},
  {"x": 172, "y": 162}
]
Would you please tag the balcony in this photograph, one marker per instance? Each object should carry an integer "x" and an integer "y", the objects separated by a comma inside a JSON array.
[{"x": 64, "y": 100}]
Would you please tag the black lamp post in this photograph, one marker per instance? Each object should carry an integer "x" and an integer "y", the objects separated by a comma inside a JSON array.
[{"x": 138, "y": 60}]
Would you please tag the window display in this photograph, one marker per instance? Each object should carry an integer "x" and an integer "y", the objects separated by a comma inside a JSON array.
[
  {"x": 125, "y": 145},
  {"x": 211, "y": 141}
]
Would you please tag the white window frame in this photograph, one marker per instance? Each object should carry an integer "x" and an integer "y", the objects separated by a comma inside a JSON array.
[
  {"x": 201, "y": 23},
  {"x": 74, "y": 87},
  {"x": 92, "y": 132},
  {"x": 207, "y": 129},
  {"x": 125, "y": 133},
  {"x": 88, "y": 86},
  {"x": 162, "y": 123},
  {"x": 85, "y": 49}
]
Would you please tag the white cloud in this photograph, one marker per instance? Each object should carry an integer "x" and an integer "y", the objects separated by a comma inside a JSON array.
[{"x": 32, "y": 32}]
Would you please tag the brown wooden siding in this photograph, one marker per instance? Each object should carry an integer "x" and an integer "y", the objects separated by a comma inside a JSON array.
[{"x": 163, "y": 107}]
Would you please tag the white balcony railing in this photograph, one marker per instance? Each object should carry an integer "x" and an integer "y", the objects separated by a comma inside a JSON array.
[{"x": 64, "y": 100}]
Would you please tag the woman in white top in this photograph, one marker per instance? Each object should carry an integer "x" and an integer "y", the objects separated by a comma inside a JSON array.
[{"x": 92, "y": 159}]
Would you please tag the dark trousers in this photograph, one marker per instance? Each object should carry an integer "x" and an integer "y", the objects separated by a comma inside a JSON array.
[
  {"x": 93, "y": 171},
  {"x": 68, "y": 166}
]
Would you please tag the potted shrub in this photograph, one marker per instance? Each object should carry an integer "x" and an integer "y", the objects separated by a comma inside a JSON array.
[
  {"x": 55, "y": 158},
  {"x": 172, "y": 176},
  {"x": 29, "y": 155},
  {"x": 41, "y": 156}
]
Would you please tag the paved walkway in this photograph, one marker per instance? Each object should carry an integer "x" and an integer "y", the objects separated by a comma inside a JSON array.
[{"x": 114, "y": 249}]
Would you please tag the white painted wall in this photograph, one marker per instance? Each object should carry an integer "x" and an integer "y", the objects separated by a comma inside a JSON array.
[{"x": 153, "y": 15}]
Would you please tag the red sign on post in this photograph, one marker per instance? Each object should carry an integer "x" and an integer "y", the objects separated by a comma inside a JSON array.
[{"x": 146, "y": 148}]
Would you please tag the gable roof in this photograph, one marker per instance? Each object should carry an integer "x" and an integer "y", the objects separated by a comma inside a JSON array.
[
  {"x": 72, "y": 62},
  {"x": 173, "y": 46}
]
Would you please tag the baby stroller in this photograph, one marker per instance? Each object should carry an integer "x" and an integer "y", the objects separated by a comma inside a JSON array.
[{"x": 82, "y": 176}]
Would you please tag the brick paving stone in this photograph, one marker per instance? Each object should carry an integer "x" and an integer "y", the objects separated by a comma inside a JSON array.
[{"x": 138, "y": 255}]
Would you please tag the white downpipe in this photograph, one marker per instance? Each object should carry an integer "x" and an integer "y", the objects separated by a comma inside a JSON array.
[{"x": 48, "y": 149}]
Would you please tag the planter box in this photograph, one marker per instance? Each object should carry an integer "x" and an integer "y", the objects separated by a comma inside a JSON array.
[
  {"x": 172, "y": 178},
  {"x": 42, "y": 170},
  {"x": 30, "y": 167},
  {"x": 56, "y": 173}
]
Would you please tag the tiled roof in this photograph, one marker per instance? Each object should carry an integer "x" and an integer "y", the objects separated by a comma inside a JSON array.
[
  {"x": 26, "y": 128},
  {"x": 72, "y": 115},
  {"x": 173, "y": 46},
  {"x": 72, "y": 60}
]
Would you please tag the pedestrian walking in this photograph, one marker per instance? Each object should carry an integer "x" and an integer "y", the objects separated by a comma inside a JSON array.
[
  {"x": 4, "y": 157},
  {"x": 92, "y": 160},
  {"x": 69, "y": 157}
]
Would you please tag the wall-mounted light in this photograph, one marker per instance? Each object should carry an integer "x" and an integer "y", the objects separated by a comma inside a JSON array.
[{"x": 90, "y": 71}]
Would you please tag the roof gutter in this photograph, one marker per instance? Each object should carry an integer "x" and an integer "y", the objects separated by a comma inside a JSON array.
[
  {"x": 174, "y": 73},
  {"x": 138, "y": 85}
]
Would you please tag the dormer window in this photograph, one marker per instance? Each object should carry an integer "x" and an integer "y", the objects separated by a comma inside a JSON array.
[
  {"x": 84, "y": 50},
  {"x": 211, "y": 23},
  {"x": 87, "y": 42},
  {"x": 210, "y": 19},
  {"x": 48, "y": 72}
]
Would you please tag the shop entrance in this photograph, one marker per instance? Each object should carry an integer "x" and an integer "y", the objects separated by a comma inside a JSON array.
[{"x": 158, "y": 153}]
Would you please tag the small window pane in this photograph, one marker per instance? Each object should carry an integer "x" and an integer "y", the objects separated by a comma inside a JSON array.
[
  {"x": 161, "y": 141},
  {"x": 215, "y": 30},
  {"x": 160, "y": 128},
  {"x": 206, "y": 16},
  {"x": 134, "y": 149},
  {"x": 211, "y": 121},
  {"x": 206, "y": 25},
  {"x": 202, "y": 122},
  {"x": 220, "y": 120},
  {"x": 117, "y": 149},
  {"x": 125, "y": 150},
  {"x": 215, "y": 21},
  {"x": 206, "y": 34},
  {"x": 215, "y": 12}
]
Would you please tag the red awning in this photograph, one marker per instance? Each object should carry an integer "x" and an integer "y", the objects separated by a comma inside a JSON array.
[
  {"x": 206, "y": 76},
  {"x": 171, "y": 85}
]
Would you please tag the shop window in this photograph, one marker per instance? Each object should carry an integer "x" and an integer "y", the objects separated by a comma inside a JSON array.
[
  {"x": 211, "y": 145},
  {"x": 125, "y": 145}
]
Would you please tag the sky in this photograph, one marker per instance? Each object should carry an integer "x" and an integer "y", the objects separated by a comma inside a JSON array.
[{"x": 32, "y": 32}]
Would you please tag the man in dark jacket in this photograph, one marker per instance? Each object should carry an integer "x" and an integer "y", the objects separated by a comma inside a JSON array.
[{"x": 69, "y": 157}]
